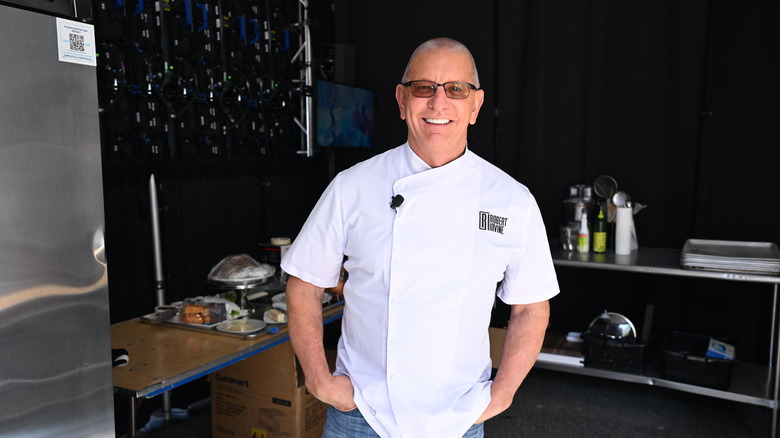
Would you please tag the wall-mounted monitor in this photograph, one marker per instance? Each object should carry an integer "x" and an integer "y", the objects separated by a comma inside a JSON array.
[{"x": 344, "y": 116}]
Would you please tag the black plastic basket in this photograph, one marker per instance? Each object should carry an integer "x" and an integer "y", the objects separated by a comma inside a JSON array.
[
  {"x": 615, "y": 355},
  {"x": 685, "y": 361}
]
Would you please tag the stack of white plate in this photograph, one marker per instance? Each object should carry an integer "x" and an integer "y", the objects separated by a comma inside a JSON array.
[{"x": 731, "y": 256}]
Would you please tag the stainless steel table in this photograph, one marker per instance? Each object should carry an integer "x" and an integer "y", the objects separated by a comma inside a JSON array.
[{"x": 752, "y": 383}]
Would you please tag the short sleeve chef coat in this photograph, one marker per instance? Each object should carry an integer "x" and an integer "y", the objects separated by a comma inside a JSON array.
[{"x": 422, "y": 282}]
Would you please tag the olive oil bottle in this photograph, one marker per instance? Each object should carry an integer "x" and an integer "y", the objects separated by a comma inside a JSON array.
[{"x": 600, "y": 233}]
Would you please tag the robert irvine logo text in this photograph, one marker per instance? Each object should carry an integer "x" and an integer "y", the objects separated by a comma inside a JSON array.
[{"x": 491, "y": 222}]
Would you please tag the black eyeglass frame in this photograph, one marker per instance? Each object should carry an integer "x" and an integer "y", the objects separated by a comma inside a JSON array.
[{"x": 436, "y": 86}]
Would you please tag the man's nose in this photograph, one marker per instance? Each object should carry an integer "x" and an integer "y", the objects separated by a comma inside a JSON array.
[{"x": 439, "y": 98}]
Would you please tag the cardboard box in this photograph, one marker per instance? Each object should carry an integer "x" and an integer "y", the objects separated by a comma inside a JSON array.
[
  {"x": 720, "y": 350},
  {"x": 264, "y": 397},
  {"x": 497, "y": 339},
  {"x": 556, "y": 348}
]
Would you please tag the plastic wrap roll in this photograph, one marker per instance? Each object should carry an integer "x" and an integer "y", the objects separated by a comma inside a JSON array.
[{"x": 623, "y": 230}]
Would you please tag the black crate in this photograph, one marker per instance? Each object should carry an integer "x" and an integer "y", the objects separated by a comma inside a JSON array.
[
  {"x": 685, "y": 361},
  {"x": 615, "y": 355}
]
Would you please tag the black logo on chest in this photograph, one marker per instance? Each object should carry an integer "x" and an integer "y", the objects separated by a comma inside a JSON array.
[{"x": 491, "y": 222}]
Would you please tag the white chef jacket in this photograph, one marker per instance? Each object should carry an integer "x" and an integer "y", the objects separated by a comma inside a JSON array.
[{"x": 422, "y": 282}]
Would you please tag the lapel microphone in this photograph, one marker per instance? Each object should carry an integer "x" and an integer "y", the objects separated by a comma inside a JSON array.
[{"x": 396, "y": 201}]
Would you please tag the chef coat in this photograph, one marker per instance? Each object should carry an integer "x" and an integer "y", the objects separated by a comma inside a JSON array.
[{"x": 422, "y": 282}]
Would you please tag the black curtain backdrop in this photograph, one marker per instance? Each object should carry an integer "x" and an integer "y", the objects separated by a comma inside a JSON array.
[
  {"x": 615, "y": 88},
  {"x": 740, "y": 136}
]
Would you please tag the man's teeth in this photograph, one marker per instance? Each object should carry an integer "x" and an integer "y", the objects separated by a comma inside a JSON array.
[{"x": 438, "y": 121}]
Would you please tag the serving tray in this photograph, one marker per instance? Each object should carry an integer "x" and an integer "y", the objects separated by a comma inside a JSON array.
[
  {"x": 731, "y": 256},
  {"x": 165, "y": 318},
  {"x": 169, "y": 319}
]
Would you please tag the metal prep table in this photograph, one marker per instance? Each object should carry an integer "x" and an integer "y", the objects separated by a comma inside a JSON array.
[{"x": 752, "y": 383}]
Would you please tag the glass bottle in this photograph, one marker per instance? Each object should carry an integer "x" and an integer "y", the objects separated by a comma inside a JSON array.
[{"x": 600, "y": 233}]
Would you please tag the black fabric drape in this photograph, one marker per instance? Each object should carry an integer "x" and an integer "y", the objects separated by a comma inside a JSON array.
[
  {"x": 740, "y": 136},
  {"x": 602, "y": 87}
]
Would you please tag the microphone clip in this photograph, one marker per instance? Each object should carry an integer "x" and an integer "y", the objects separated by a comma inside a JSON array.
[{"x": 396, "y": 201}]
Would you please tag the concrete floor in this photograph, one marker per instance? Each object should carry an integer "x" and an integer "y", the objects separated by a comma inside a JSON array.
[{"x": 553, "y": 404}]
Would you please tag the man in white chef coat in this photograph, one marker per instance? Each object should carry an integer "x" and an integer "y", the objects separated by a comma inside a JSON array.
[{"x": 428, "y": 230}]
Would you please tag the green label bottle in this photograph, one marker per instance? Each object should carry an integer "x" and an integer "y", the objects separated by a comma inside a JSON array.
[{"x": 600, "y": 233}]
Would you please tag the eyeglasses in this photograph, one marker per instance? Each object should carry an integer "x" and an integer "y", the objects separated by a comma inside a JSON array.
[{"x": 453, "y": 90}]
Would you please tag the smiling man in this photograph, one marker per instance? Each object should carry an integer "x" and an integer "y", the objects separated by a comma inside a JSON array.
[
  {"x": 427, "y": 229},
  {"x": 438, "y": 121}
]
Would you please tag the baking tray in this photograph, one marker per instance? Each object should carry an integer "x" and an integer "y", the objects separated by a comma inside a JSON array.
[
  {"x": 163, "y": 318},
  {"x": 731, "y": 256}
]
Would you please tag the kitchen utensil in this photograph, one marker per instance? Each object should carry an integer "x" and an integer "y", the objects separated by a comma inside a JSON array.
[
  {"x": 620, "y": 198},
  {"x": 605, "y": 186}
]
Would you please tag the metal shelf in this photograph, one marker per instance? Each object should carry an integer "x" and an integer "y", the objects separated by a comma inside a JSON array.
[
  {"x": 751, "y": 383},
  {"x": 661, "y": 261}
]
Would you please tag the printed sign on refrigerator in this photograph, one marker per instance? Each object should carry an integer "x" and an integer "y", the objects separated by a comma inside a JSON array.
[{"x": 76, "y": 42}]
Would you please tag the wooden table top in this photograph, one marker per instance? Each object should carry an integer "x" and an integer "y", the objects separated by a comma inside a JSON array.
[{"x": 163, "y": 357}]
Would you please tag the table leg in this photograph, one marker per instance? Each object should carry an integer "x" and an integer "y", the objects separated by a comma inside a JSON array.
[{"x": 135, "y": 403}]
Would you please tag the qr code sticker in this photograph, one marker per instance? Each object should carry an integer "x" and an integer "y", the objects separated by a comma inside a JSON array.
[{"x": 76, "y": 42}]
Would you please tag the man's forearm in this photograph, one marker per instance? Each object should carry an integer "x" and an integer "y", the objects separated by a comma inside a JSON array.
[
  {"x": 304, "y": 306},
  {"x": 524, "y": 338}
]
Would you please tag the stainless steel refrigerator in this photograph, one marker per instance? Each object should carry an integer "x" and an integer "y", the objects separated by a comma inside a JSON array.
[{"x": 55, "y": 350}]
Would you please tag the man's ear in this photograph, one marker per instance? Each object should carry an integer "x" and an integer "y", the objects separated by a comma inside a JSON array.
[
  {"x": 400, "y": 97},
  {"x": 479, "y": 99}
]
